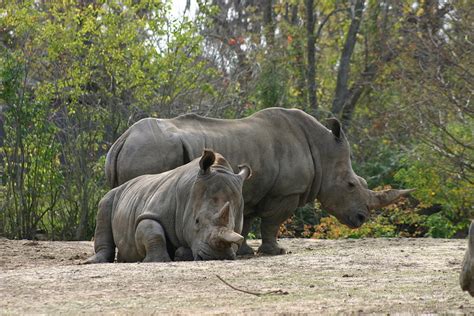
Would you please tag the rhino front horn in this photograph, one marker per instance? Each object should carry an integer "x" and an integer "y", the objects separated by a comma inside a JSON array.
[
  {"x": 232, "y": 237},
  {"x": 383, "y": 198}
]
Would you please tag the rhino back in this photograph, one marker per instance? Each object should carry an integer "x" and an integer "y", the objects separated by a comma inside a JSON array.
[
  {"x": 146, "y": 150},
  {"x": 272, "y": 141}
]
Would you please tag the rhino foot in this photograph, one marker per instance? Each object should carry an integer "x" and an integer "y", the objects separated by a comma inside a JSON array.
[
  {"x": 245, "y": 250},
  {"x": 157, "y": 258},
  {"x": 183, "y": 254},
  {"x": 97, "y": 258},
  {"x": 271, "y": 249}
]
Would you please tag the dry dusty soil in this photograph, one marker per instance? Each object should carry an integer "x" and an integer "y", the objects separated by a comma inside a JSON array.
[{"x": 409, "y": 276}]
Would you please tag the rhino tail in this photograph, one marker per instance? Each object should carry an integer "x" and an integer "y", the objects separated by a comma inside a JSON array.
[{"x": 111, "y": 170}]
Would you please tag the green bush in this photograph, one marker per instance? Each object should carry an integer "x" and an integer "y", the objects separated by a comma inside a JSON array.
[{"x": 437, "y": 187}]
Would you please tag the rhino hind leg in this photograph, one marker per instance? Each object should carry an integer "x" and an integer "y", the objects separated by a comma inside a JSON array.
[
  {"x": 104, "y": 245},
  {"x": 269, "y": 244},
  {"x": 275, "y": 212},
  {"x": 150, "y": 240}
]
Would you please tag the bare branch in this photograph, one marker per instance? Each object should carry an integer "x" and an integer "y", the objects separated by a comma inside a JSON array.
[
  {"x": 326, "y": 18},
  {"x": 277, "y": 292}
]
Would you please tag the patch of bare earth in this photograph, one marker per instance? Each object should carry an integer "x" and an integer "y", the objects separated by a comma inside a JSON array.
[{"x": 318, "y": 276}]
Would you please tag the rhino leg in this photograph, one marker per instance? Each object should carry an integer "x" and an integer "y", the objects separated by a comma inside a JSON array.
[
  {"x": 275, "y": 212},
  {"x": 150, "y": 240},
  {"x": 183, "y": 254},
  {"x": 104, "y": 245},
  {"x": 245, "y": 249},
  {"x": 466, "y": 278}
]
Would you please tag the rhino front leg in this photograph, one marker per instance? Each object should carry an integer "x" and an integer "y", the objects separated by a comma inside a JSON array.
[
  {"x": 245, "y": 249},
  {"x": 104, "y": 245},
  {"x": 150, "y": 240},
  {"x": 183, "y": 254},
  {"x": 275, "y": 212}
]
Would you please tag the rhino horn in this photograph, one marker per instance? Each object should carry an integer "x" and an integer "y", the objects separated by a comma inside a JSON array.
[
  {"x": 245, "y": 172},
  {"x": 229, "y": 236},
  {"x": 223, "y": 216},
  {"x": 379, "y": 199}
]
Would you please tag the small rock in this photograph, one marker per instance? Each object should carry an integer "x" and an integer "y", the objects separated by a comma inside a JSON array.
[
  {"x": 75, "y": 257},
  {"x": 31, "y": 243},
  {"x": 47, "y": 257}
]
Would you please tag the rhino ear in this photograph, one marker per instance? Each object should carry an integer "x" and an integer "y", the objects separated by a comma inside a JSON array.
[
  {"x": 245, "y": 172},
  {"x": 335, "y": 126},
  {"x": 207, "y": 159}
]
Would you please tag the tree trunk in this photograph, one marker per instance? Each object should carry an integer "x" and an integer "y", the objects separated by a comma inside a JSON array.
[
  {"x": 341, "y": 93},
  {"x": 311, "y": 74},
  {"x": 300, "y": 63},
  {"x": 268, "y": 25},
  {"x": 361, "y": 85}
]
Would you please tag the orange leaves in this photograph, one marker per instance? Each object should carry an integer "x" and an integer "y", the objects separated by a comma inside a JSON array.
[{"x": 237, "y": 40}]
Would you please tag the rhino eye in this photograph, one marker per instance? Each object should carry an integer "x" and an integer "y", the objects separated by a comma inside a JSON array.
[
  {"x": 197, "y": 221},
  {"x": 351, "y": 185}
]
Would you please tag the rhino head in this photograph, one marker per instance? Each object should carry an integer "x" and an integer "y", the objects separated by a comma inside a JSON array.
[
  {"x": 466, "y": 278},
  {"x": 343, "y": 193},
  {"x": 217, "y": 208}
]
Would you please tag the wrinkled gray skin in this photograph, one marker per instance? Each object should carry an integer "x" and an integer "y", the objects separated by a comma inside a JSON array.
[
  {"x": 196, "y": 208},
  {"x": 294, "y": 160},
  {"x": 466, "y": 279}
]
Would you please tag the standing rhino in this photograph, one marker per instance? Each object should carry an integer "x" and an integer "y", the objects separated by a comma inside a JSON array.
[
  {"x": 294, "y": 160},
  {"x": 466, "y": 279},
  {"x": 196, "y": 207}
]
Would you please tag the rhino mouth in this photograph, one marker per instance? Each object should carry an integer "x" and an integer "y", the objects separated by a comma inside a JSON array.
[
  {"x": 356, "y": 220},
  {"x": 205, "y": 253},
  {"x": 200, "y": 256}
]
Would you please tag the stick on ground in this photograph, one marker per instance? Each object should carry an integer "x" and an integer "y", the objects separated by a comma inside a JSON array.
[{"x": 277, "y": 292}]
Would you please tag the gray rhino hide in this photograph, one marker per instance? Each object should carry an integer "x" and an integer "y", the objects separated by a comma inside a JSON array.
[
  {"x": 294, "y": 160},
  {"x": 171, "y": 204},
  {"x": 466, "y": 278}
]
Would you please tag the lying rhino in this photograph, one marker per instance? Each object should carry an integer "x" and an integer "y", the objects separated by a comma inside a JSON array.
[
  {"x": 294, "y": 160},
  {"x": 196, "y": 208},
  {"x": 466, "y": 279}
]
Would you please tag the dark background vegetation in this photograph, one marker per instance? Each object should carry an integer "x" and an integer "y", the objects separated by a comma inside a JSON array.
[{"x": 398, "y": 74}]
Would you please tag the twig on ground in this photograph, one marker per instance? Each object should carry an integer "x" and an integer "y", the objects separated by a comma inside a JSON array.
[{"x": 277, "y": 292}]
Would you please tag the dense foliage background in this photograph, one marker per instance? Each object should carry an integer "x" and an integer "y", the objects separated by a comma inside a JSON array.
[{"x": 399, "y": 74}]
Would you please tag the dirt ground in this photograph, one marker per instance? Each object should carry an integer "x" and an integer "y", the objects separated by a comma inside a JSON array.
[{"x": 318, "y": 276}]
